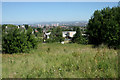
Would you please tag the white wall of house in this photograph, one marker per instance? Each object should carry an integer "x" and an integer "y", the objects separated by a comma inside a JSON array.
[
  {"x": 48, "y": 35},
  {"x": 6, "y": 27},
  {"x": 68, "y": 33},
  {"x": 72, "y": 33},
  {"x": 64, "y": 33},
  {"x": 18, "y": 27}
]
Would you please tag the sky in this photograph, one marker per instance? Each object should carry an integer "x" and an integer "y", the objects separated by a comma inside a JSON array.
[{"x": 35, "y": 12}]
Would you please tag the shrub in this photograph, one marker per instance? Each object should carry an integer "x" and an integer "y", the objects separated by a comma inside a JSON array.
[{"x": 18, "y": 41}]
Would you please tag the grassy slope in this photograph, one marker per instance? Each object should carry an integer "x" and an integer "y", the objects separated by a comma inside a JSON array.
[{"x": 57, "y": 60}]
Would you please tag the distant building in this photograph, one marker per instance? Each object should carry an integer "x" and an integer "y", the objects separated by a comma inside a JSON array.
[
  {"x": 47, "y": 25},
  {"x": 64, "y": 33},
  {"x": 6, "y": 27},
  {"x": 68, "y": 33},
  {"x": 32, "y": 31},
  {"x": 57, "y": 24},
  {"x": 63, "y": 26},
  {"x": 72, "y": 33},
  {"x": 21, "y": 27},
  {"x": 36, "y": 30},
  {"x": 47, "y": 35}
]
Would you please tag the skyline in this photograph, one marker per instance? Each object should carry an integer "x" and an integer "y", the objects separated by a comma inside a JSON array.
[{"x": 35, "y": 12}]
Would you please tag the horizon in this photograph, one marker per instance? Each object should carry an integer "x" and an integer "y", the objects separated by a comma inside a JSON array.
[
  {"x": 48, "y": 22},
  {"x": 38, "y": 12}
]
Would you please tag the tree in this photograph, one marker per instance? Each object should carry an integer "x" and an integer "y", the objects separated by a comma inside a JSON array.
[
  {"x": 78, "y": 37},
  {"x": 26, "y": 26},
  {"x": 103, "y": 27},
  {"x": 18, "y": 41},
  {"x": 119, "y": 4},
  {"x": 3, "y": 27},
  {"x": 56, "y": 35},
  {"x": 74, "y": 28},
  {"x": 40, "y": 30}
]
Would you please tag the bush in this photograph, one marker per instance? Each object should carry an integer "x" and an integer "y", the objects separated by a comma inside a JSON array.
[
  {"x": 80, "y": 40},
  {"x": 18, "y": 41},
  {"x": 84, "y": 40},
  {"x": 49, "y": 41}
]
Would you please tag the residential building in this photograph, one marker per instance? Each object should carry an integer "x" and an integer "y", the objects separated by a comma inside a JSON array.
[
  {"x": 47, "y": 35},
  {"x": 68, "y": 33}
]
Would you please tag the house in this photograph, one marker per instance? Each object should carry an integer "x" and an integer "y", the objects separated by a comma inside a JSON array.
[
  {"x": 18, "y": 27},
  {"x": 36, "y": 30},
  {"x": 72, "y": 33},
  {"x": 6, "y": 27},
  {"x": 68, "y": 34},
  {"x": 21, "y": 27},
  {"x": 47, "y": 35},
  {"x": 65, "y": 33},
  {"x": 32, "y": 31}
]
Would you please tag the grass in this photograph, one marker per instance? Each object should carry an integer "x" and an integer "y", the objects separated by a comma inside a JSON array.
[{"x": 62, "y": 61}]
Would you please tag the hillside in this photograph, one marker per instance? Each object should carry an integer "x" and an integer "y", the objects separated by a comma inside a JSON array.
[{"x": 62, "y": 61}]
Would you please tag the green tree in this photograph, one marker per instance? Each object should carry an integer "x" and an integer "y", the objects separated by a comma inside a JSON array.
[
  {"x": 103, "y": 27},
  {"x": 78, "y": 38},
  {"x": 18, "y": 41},
  {"x": 26, "y": 26},
  {"x": 40, "y": 30},
  {"x": 56, "y": 35}
]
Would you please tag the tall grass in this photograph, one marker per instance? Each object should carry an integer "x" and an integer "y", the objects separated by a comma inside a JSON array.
[{"x": 62, "y": 61}]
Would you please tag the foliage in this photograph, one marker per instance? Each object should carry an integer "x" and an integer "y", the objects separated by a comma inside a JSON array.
[
  {"x": 26, "y": 26},
  {"x": 40, "y": 30},
  {"x": 78, "y": 38},
  {"x": 9, "y": 26},
  {"x": 104, "y": 27},
  {"x": 56, "y": 35},
  {"x": 40, "y": 34},
  {"x": 18, "y": 41}
]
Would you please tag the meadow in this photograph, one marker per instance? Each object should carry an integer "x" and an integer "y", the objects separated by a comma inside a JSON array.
[{"x": 55, "y": 60}]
